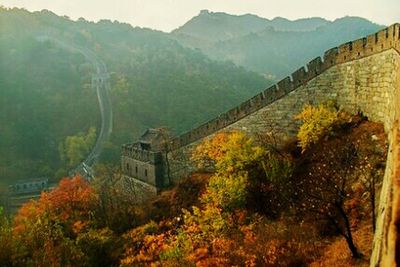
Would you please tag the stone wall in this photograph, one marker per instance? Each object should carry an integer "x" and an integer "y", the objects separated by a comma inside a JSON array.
[
  {"x": 371, "y": 45},
  {"x": 362, "y": 76},
  {"x": 386, "y": 249},
  {"x": 142, "y": 191},
  {"x": 364, "y": 85}
]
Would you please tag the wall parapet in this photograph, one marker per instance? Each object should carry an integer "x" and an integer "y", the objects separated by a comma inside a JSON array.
[
  {"x": 132, "y": 151},
  {"x": 385, "y": 39}
]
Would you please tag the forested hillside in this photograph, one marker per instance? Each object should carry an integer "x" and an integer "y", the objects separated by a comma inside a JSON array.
[
  {"x": 45, "y": 96},
  {"x": 273, "y": 48},
  {"x": 46, "y": 92}
]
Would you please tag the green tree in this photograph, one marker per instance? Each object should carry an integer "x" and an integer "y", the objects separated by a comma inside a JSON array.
[
  {"x": 6, "y": 240},
  {"x": 75, "y": 148}
]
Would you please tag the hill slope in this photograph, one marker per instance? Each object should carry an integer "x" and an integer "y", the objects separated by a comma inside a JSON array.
[{"x": 46, "y": 93}]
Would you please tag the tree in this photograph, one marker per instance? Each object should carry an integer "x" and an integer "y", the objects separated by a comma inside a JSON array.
[
  {"x": 6, "y": 240},
  {"x": 228, "y": 153},
  {"x": 317, "y": 122},
  {"x": 117, "y": 207},
  {"x": 71, "y": 201},
  {"x": 327, "y": 191},
  {"x": 74, "y": 149},
  {"x": 222, "y": 212},
  {"x": 327, "y": 188},
  {"x": 45, "y": 230}
]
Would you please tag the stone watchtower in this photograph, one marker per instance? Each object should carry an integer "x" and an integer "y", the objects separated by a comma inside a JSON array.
[{"x": 143, "y": 162}]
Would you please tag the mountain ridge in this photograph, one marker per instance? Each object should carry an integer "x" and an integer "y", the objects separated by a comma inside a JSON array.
[
  {"x": 244, "y": 24},
  {"x": 272, "y": 48}
]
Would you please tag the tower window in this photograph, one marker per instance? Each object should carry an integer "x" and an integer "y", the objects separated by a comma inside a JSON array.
[{"x": 145, "y": 173}]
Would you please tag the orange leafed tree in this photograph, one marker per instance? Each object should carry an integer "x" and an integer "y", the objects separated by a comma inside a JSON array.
[
  {"x": 70, "y": 203},
  {"x": 210, "y": 151},
  {"x": 45, "y": 230}
]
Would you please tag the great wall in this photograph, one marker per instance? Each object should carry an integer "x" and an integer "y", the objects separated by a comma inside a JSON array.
[{"x": 361, "y": 76}]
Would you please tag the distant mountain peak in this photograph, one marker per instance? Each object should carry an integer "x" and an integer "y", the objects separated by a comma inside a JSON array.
[
  {"x": 351, "y": 19},
  {"x": 204, "y": 12},
  {"x": 280, "y": 19}
]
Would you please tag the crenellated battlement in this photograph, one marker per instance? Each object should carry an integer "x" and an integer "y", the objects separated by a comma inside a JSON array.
[
  {"x": 132, "y": 151},
  {"x": 388, "y": 38}
]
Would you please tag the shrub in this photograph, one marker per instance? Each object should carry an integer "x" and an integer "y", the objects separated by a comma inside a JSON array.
[
  {"x": 317, "y": 122},
  {"x": 98, "y": 245},
  {"x": 226, "y": 192},
  {"x": 230, "y": 152}
]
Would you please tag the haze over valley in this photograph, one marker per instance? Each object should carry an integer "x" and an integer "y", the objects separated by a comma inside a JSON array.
[{"x": 176, "y": 80}]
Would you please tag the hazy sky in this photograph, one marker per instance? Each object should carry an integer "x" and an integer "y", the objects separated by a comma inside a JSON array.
[{"x": 169, "y": 14}]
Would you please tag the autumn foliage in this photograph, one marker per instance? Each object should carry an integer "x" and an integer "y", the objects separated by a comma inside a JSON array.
[
  {"x": 229, "y": 152},
  {"x": 317, "y": 122},
  {"x": 70, "y": 203},
  {"x": 253, "y": 204},
  {"x": 54, "y": 230},
  {"x": 221, "y": 231}
]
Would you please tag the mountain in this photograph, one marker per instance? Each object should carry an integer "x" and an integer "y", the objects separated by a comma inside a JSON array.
[
  {"x": 273, "y": 48},
  {"x": 47, "y": 103},
  {"x": 213, "y": 27}
]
